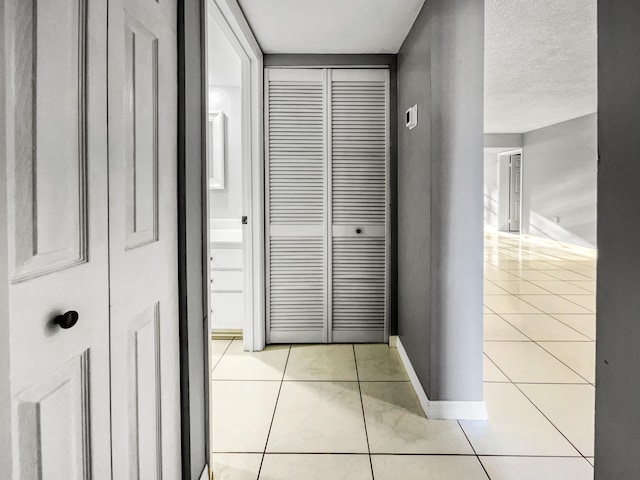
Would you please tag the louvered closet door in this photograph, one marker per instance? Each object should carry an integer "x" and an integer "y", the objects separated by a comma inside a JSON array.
[
  {"x": 296, "y": 205},
  {"x": 327, "y": 160},
  {"x": 358, "y": 185}
]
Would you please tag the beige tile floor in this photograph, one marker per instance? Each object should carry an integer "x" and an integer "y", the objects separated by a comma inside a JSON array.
[{"x": 306, "y": 412}]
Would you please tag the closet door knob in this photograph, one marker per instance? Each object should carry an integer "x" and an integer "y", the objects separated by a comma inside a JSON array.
[
  {"x": 67, "y": 320},
  {"x": 358, "y": 230}
]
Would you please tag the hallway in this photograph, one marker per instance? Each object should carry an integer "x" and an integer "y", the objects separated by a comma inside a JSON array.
[{"x": 349, "y": 411}]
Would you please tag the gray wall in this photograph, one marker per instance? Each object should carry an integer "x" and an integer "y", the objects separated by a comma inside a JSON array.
[
  {"x": 618, "y": 297},
  {"x": 5, "y": 392},
  {"x": 440, "y": 207},
  {"x": 192, "y": 219},
  {"x": 414, "y": 199},
  {"x": 491, "y": 191},
  {"x": 559, "y": 180},
  {"x": 503, "y": 141}
]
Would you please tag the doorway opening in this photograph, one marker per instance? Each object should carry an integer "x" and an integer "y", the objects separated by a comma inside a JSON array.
[
  {"x": 234, "y": 169},
  {"x": 510, "y": 169},
  {"x": 515, "y": 184},
  {"x": 226, "y": 205}
]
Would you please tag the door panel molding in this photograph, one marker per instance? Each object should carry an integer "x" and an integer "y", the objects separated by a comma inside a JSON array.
[
  {"x": 145, "y": 414},
  {"x": 141, "y": 104},
  {"x": 55, "y": 135},
  {"x": 46, "y": 136},
  {"x": 58, "y": 403}
]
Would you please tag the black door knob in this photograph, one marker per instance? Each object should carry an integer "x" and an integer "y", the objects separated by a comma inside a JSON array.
[
  {"x": 358, "y": 230},
  {"x": 66, "y": 320}
]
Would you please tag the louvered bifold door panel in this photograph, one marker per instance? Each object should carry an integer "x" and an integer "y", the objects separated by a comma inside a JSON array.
[
  {"x": 359, "y": 289},
  {"x": 359, "y": 159},
  {"x": 295, "y": 117}
]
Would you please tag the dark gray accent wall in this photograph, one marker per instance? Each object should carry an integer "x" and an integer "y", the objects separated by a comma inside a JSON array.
[
  {"x": 5, "y": 385},
  {"x": 617, "y": 441},
  {"x": 414, "y": 199},
  {"x": 440, "y": 211},
  {"x": 457, "y": 133},
  {"x": 194, "y": 377},
  {"x": 559, "y": 180},
  {"x": 349, "y": 60}
]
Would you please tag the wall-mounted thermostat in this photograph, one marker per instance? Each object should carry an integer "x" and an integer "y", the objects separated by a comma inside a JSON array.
[{"x": 412, "y": 117}]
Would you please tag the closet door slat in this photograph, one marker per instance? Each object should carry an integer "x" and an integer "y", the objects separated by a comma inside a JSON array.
[
  {"x": 359, "y": 164},
  {"x": 296, "y": 184}
]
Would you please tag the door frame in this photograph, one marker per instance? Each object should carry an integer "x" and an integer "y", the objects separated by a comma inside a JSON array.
[
  {"x": 511, "y": 192},
  {"x": 327, "y": 63},
  {"x": 229, "y": 17},
  {"x": 349, "y": 60},
  {"x": 503, "y": 190}
]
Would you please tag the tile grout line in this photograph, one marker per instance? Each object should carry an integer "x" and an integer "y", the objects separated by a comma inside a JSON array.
[
  {"x": 516, "y": 385},
  {"x": 538, "y": 343},
  {"x": 219, "y": 359},
  {"x": 264, "y": 453},
  {"x": 549, "y": 420},
  {"x": 548, "y": 315},
  {"x": 500, "y": 369},
  {"x": 562, "y": 362},
  {"x": 556, "y": 318},
  {"x": 518, "y": 295},
  {"x": 364, "y": 419},
  {"x": 528, "y": 341},
  {"x": 473, "y": 449},
  {"x": 541, "y": 287},
  {"x": 546, "y": 351},
  {"x": 551, "y": 315}
]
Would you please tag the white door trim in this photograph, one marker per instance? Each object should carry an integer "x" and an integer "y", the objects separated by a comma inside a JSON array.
[{"x": 229, "y": 17}]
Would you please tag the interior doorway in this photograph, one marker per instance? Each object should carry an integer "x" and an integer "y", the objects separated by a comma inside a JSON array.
[
  {"x": 515, "y": 191},
  {"x": 509, "y": 191},
  {"x": 225, "y": 194},
  {"x": 234, "y": 267}
]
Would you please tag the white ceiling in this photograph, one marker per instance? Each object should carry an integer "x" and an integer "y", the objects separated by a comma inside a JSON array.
[
  {"x": 225, "y": 67},
  {"x": 540, "y": 63},
  {"x": 330, "y": 26}
]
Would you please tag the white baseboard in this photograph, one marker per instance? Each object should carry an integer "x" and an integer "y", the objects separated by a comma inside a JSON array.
[
  {"x": 441, "y": 410},
  {"x": 393, "y": 341}
]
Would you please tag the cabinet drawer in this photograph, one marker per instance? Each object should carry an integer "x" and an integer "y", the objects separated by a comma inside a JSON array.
[
  {"x": 226, "y": 310},
  {"x": 226, "y": 258},
  {"x": 226, "y": 280}
]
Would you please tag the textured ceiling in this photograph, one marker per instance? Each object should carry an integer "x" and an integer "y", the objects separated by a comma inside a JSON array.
[
  {"x": 331, "y": 26},
  {"x": 540, "y": 63}
]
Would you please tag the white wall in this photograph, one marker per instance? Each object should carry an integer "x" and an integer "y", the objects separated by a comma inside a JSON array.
[
  {"x": 491, "y": 190},
  {"x": 559, "y": 180},
  {"x": 227, "y": 203},
  {"x": 225, "y": 80}
]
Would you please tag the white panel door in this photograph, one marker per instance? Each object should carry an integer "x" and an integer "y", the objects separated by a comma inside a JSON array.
[
  {"x": 515, "y": 184},
  {"x": 56, "y": 72},
  {"x": 327, "y": 162},
  {"x": 143, "y": 239}
]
